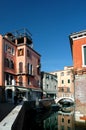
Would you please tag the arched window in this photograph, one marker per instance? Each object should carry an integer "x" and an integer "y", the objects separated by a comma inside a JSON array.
[
  {"x": 7, "y": 64},
  {"x": 20, "y": 67},
  {"x": 11, "y": 64},
  {"x": 20, "y": 80}
]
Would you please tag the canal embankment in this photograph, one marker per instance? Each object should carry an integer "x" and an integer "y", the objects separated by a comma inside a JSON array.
[{"x": 10, "y": 113}]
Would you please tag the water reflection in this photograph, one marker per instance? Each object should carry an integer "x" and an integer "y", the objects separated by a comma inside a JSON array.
[
  {"x": 48, "y": 119},
  {"x": 64, "y": 121},
  {"x": 59, "y": 121},
  {"x": 51, "y": 123}
]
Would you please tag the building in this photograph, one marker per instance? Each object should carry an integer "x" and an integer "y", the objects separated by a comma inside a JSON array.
[
  {"x": 49, "y": 84},
  {"x": 65, "y": 80},
  {"x": 19, "y": 66},
  {"x": 78, "y": 51}
]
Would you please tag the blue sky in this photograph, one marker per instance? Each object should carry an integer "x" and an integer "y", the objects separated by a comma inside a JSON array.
[{"x": 50, "y": 23}]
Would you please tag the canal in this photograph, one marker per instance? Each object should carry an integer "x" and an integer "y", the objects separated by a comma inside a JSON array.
[{"x": 48, "y": 119}]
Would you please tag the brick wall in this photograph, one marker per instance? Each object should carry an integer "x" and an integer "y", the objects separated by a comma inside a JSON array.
[{"x": 80, "y": 93}]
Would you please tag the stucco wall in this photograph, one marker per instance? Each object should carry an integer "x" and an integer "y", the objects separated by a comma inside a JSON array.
[{"x": 80, "y": 93}]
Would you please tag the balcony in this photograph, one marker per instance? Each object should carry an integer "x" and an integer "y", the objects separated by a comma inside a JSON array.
[{"x": 25, "y": 73}]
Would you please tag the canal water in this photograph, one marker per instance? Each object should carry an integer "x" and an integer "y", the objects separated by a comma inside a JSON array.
[
  {"x": 31, "y": 119},
  {"x": 54, "y": 121}
]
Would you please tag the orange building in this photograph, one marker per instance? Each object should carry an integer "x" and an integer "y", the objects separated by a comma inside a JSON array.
[
  {"x": 19, "y": 66},
  {"x": 78, "y": 50}
]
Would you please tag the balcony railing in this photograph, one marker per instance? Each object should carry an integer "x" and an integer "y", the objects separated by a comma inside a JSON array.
[{"x": 18, "y": 34}]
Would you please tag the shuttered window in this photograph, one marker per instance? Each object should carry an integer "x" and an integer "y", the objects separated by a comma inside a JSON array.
[{"x": 84, "y": 55}]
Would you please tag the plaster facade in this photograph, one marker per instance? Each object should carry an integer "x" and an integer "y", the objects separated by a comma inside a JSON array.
[
  {"x": 49, "y": 84},
  {"x": 78, "y": 46},
  {"x": 19, "y": 65},
  {"x": 65, "y": 80}
]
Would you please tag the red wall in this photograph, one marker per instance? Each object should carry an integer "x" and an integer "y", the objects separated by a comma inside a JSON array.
[{"x": 77, "y": 52}]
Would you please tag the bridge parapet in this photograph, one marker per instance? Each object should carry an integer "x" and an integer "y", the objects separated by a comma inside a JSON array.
[{"x": 60, "y": 98}]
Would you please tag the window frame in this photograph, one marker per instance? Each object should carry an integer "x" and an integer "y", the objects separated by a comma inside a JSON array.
[
  {"x": 62, "y": 81},
  {"x": 83, "y": 56},
  {"x": 68, "y": 81}
]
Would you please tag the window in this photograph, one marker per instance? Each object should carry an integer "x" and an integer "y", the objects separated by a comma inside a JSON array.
[
  {"x": 62, "y": 73},
  {"x": 28, "y": 53},
  {"x": 7, "y": 62},
  {"x": 11, "y": 64},
  {"x": 20, "y": 67},
  {"x": 62, "y": 81},
  {"x": 20, "y": 52},
  {"x": 68, "y": 80},
  {"x": 6, "y": 46},
  {"x": 20, "y": 80},
  {"x": 13, "y": 51},
  {"x": 68, "y": 120},
  {"x": 28, "y": 81},
  {"x": 38, "y": 70},
  {"x": 84, "y": 55},
  {"x": 30, "y": 69},
  {"x": 9, "y": 49},
  {"x": 62, "y": 119},
  {"x": 8, "y": 79},
  {"x": 68, "y": 73},
  {"x": 47, "y": 86}
]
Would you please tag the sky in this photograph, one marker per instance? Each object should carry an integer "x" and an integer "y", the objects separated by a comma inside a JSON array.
[{"x": 50, "y": 22}]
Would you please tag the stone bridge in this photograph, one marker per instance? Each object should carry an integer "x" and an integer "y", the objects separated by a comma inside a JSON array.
[{"x": 66, "y": 98}]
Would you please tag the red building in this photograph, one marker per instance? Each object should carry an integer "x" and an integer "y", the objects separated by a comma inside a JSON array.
[
  {"x": 19, "y": 66},
  {"x": 78, "y": 50}
]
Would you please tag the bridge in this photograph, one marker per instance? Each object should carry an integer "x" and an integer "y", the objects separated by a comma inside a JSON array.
[{"x": 57, "y": 100}]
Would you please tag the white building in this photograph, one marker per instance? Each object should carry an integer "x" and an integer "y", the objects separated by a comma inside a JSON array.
[{"x": 49, "y": 84}]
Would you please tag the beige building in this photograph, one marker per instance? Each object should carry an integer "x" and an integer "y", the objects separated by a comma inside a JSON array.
[{"x": 65, "y": 81}]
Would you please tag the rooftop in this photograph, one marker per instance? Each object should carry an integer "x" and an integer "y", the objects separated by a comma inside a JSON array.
[
  {"x": 79, "y": 34},
  {"x": 19, "y": 34}
]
